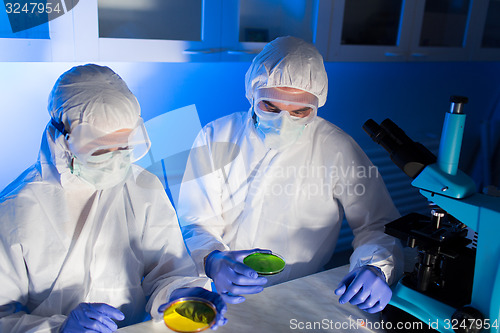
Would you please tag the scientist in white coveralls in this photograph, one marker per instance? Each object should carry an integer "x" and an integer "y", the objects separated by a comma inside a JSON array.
[
  {"x": 86, "y": 237},
  {"x": 281, "y": 178}
]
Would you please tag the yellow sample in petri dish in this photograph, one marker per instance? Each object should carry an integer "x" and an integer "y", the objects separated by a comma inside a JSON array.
[
  {"x": 265, "y": 263},
  {"x": 190, "y": 314}
]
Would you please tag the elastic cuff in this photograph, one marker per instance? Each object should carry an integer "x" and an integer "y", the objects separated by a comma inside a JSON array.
[
  {"x": 208, "y": 262},
  {"x": 379, "y": 272}
]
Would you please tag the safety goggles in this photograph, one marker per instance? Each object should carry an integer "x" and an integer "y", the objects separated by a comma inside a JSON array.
[
  {"x": 86, "y": 140},
  {"x": 269, "y": 103},
  {"x": 265, "y": 112}
]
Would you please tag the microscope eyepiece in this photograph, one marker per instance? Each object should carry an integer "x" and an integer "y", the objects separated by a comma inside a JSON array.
[
  {"x": 373, "y": 130},
  {"x": 409, "y": 156}
]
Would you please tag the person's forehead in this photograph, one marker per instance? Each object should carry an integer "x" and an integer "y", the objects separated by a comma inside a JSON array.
[
  {"x": 118, "y": 136},
  {"x": 290, "y": 90},
  {"x": 286, "y": 94}
]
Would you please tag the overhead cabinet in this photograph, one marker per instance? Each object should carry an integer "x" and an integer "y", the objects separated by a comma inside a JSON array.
[
  {"x": 236, "y": 30},
  {"x": 198, "y": 30},
  {"x": 414, "y": 30}
]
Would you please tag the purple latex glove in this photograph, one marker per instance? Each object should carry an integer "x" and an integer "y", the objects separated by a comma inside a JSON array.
[
  {"x": 92, "y": 317},
  {"x": 199, "y": 292},
  {"x": 365, "y": 287},
  {"x": 231, "y": 277}
]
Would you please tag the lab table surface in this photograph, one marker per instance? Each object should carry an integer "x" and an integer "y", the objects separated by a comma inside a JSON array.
[{"x": 307, "y": 304}]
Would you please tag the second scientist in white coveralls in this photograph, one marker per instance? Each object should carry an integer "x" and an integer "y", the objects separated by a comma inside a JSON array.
[
  {"x": 86, "y": 237},
  {"x": 281, "y": 178}
]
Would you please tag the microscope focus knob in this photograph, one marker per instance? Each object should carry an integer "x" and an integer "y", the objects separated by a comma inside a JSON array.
[
  {"x": 468, "y": 320},
  {"x": 437, "y": 217}
]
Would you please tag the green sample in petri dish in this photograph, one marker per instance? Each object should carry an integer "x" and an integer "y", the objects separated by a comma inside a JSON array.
[
  {"x": 265, "y": 263},
  {"x": 189, "y": 314}
]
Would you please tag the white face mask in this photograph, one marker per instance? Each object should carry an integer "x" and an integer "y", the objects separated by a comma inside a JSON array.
[
  {"x": 105, "y": 170},
  {"x": 280, "y": 130}
]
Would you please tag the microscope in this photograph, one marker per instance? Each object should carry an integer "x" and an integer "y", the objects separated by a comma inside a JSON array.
[{"x": 455, "y": 286}]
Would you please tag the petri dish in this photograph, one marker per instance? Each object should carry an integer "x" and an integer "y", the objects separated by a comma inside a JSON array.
[
  {"x": 189, "y": 314},
  {"x": 265, "y": 263}
]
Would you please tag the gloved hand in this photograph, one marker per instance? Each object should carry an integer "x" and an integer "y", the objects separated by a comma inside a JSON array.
[
  {"x": 215, "y": 298},
  {"x": 92, "y": 317},
  {"x": 365, "y": 287},
  {"x": 231, "y": 277}
]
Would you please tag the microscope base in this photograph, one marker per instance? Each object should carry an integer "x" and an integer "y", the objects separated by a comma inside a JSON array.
[{"x": 430, "y": 311}]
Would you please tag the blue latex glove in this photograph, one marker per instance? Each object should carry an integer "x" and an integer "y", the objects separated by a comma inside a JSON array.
[
  {"x": 215, "y": 298},
  {"x": 365, "y": 287},
  {"x": 92, "y": 317},
  {"x": 231, "y": 277}
]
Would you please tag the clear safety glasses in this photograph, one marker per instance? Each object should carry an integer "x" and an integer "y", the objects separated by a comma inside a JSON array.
[
  {"x": 268, "y": 110},
  {"x": 85, "y": 141},
  {"x": 266, "y": 113},
  {"x": 269, "y": 104}
]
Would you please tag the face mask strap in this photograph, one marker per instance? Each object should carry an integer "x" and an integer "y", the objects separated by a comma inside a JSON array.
[{"x": 60, "y": 128}]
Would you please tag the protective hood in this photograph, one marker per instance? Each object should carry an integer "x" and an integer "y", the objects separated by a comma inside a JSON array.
[
  {"x": 288, "y": 62},
  {"x": 88, "y": 95},
  {"x": 94, "y": 95}
]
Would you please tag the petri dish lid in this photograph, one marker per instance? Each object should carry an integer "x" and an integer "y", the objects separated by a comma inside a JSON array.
[
  {"x": 189, "y": 314},
  {"x": 265, "y": 263}
]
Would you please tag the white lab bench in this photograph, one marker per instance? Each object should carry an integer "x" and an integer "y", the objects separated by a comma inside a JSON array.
[{"x": 307, "y": 304}]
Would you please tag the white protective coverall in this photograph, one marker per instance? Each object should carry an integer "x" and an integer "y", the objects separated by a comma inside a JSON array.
[
  {"x": 237, "y": 194},
  {"x": 62, "y": 242}
]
